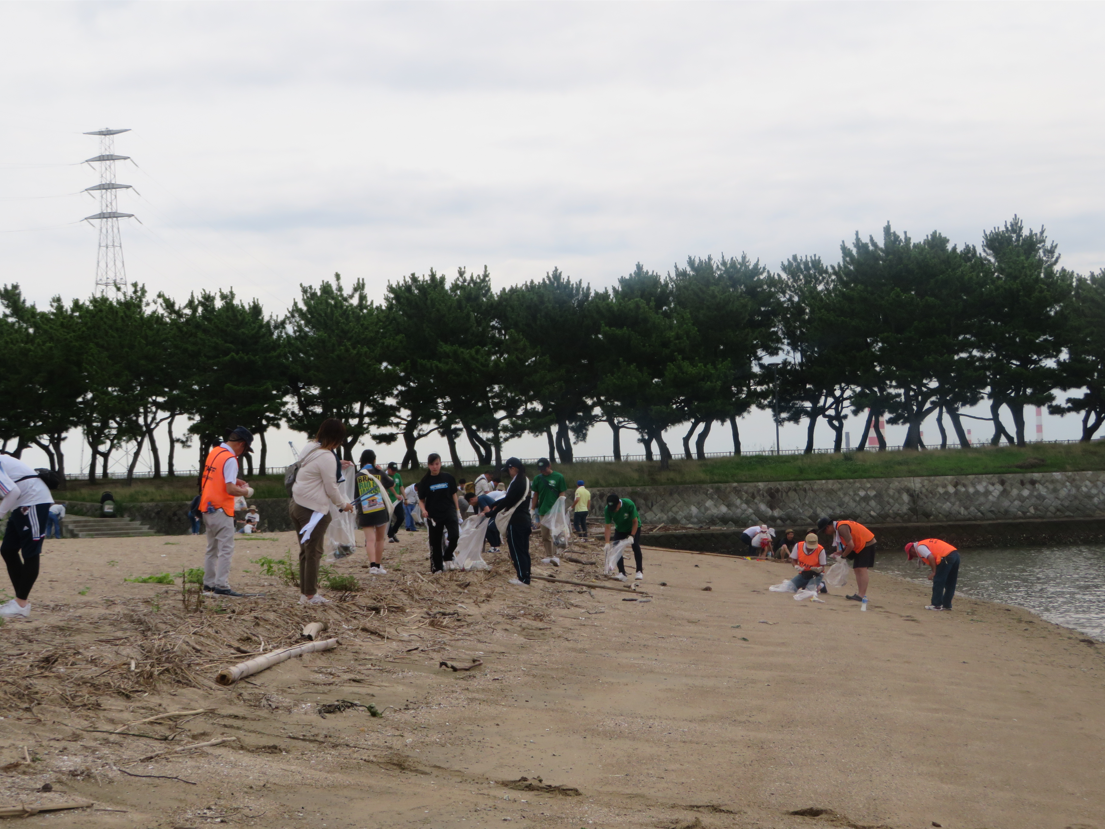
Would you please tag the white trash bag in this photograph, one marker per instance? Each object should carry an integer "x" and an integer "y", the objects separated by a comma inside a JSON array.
[
  {"x": 614, "y": 553},
  {"x": 783, "y": 587},
  {"x": 805, "y": 593},
  {"x": 341, "y": 535},
  {"x": 469, "y": 552},
  {"x": 837, "y": 575},
  {"x": 556, "y": 520}
]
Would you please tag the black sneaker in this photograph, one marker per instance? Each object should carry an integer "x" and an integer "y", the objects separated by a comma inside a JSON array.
[
  {"x": 227, "y": 591},
  {"x": 855, "y": 597},
  {"x": 207, "y": 588}
]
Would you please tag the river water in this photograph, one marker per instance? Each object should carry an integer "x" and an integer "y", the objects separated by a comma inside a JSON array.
[{"x": 1064, "y": 585}]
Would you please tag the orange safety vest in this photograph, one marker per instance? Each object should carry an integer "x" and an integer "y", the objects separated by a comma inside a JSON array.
[
  {"x": 214, "y": 492},
  {"x": 808, "y": 561},
  {"x": 860, "y": 534},
  {"x": 939, "y": 549}
]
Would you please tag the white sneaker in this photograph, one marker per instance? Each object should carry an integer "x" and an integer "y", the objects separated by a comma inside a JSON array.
[
  {"x": 555, "y": 561},
  {"x": 493, "y": 550},
  {"x": 640, "y": 576},
  {"x": 318, "y": 598},
  {"x": 450, "y": 565},
  {"x": 377, "y": 571},
  {"x": 13, "y": 608},
  {"x": 927, "y": 607},
  {"x": 517, "y": 581},
  {"x": 620, "y": 577}
]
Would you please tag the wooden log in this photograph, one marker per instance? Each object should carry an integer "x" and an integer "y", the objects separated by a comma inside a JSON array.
[
  {"x": 312, "y": 630},
  {"x": 623, "y": 589},
  {"x": 228, "y": 676},
  {"x": 27, "y": 811}
]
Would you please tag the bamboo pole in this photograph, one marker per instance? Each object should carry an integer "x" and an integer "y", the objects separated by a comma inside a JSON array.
[
  {"x": 27, "y": 811},
  {"x": 312, "y": 630},
  {"x": 228, "y": 676}
]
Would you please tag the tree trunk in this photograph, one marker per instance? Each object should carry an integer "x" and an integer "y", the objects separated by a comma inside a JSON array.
[
  {"x": 451, "y": 439},
  {"x": 1018, "y": 422},
  {"x": 410, "y": 457},
  {"x": 687, "y": 438},
  {"x": 171, "y": 468},
  {"x": 564, "y": 441},
  {"x": 646, "y": 439},
  {"x": 263, "y": 459},
  {"x": 665, "y": 452},
  {"x": 480, "y": 445},
  {"x": 134, "y": 460},
  {"x": 617, "y": 430},
  {"x": 1088, "y": 426},
  {"x": 552, "y": 443},
  {"x": 957, "y": 424},
  {"x": 999, "y": 428},
  {"x": 249, "y": 464},
  {"x": 736, "y": 435},
  {"x": 700, "y": 441},
  {"x": 154, "y": 451},
  {"x": 55, "y": 442},
  {"x": 862, "y": 446},
  {"x": 940, "y": 426},
  {"x": 879, "y": 436},
  {"x": 809, "y": 434}
]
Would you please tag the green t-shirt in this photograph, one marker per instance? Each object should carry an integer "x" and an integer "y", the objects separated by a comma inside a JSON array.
[
  {"x": 398, "y": 483},
  {"x": 548, "y": 489},
  {"x": 623, "y": 519}
]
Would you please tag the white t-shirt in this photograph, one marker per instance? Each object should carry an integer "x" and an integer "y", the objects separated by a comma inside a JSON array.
[
  {"x": 759, "y": 538},
  {"x": 230, "y": 468},
  {"x": 253, "y": 518},
  {"x": 754, "y": 531},
  {"x": 923, "y": 551},
  {"x": 410, "y": 494},
  {"x": 15, "y": 493},
  {"x": 58, "y": 510}
]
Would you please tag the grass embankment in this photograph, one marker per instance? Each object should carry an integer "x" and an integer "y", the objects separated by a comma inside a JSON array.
[{"x": 1041, "y": 457}]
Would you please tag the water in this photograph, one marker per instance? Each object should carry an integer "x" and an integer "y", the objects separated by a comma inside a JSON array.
[{"x": 1064, "y": 585}]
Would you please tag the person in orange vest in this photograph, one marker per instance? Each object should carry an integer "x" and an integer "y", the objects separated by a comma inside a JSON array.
[
  {"x": 220, "y": 485},
  {"x": 943, "y": 558},
  {"x": 809, "y": 558},
  {"x": 856, "y": 543}
]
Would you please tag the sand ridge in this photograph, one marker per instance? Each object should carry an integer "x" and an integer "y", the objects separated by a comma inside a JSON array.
[{"x": 728, "y": 707}]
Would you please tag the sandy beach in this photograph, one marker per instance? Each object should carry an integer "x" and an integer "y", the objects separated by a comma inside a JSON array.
[{"x": 714, "y": 703}]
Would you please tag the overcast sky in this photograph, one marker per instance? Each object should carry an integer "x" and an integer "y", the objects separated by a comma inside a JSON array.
[{"x": 281, "y": 142}]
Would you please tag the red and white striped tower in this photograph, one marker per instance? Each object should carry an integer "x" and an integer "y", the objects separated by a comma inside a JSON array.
[{"x": 1039, "y": 423}]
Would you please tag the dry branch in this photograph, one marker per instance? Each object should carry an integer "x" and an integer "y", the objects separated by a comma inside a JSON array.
[
  {"x": 165, "y": 717},
  {"x": 622, "y": 589},
  {"x": 217, "y": 742},
  {"x": 27, "y": 811},
  {"x": 228, "y": 676}
]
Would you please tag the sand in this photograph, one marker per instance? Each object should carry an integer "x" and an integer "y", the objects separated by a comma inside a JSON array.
[{"x": 727, "y": 707}]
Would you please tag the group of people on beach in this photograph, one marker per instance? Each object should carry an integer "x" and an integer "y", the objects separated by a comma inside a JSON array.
[
  {"x": 511, "y": 503},
  {"x": 855, "y": 543}
]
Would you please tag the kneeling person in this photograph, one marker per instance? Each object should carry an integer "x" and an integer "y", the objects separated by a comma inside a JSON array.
[{"x": 809, "y": 557}]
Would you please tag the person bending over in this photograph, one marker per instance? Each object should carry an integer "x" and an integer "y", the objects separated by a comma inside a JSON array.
[
  {"x": 943, "y": 558},
  {"x": 622, "y": 516},
  {"x": 856, "y": 543},
  {"x": 27, "y": 498}
]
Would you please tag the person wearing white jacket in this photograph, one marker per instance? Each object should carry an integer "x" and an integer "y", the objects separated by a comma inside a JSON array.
[
  {"x": 27, "y": 498},
  {"x": 314, "y": 490}
]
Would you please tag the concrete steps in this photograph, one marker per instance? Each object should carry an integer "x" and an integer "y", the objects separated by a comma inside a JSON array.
[{"x": 82, "y": 526}]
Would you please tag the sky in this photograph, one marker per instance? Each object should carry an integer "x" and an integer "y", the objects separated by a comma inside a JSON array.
[{"x": 279, "y": 143}]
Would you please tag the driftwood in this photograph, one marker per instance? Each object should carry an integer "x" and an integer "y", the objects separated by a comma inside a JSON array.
[
  {"x": 216, "y": 742},
  {"x": 475, "y": 664},
  {"x": 228, "y": 676},
  {"x": 165, "y": 717},
  {"x": 27, "y": 811},
  {"x": 313, "y": 630},
  {"x": 623, "y": 589},
  {"x": 154, "y": 776}
]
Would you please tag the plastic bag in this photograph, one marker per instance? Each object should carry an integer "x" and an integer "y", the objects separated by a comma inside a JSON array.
[
  {"x": 614, "y": 553},
  {"x": 837, "y": 576},
  {"x": 803, "y": 594},
  {"x": 341, "y": 535},
  {"x": 469, "y": 552},
  {"x": 556, "y": 520},
  {"x": 783, "y": 587}
]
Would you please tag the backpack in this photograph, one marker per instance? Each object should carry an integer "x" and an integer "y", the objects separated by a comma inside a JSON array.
[
  {"x": 293, "y": 471},
  {"x": 47, "y": 476}
]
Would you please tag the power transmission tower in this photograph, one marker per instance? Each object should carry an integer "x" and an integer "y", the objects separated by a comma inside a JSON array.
[{"x": 111, "y": 273}]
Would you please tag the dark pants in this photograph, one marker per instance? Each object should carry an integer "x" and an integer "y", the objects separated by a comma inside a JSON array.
[
  {"x": 398, "y": 514},
  {"x": 493, "y": 536},
  {"x": 53, "y": 526},
  {"x": 636, "y": 550},
  {"x": 517, "y": 541},
  {"x": 194, "y": 520},
  {"x": 747, "y": 541},
  {"x": 310, "y": 552},
  {"x": 438, "y": 525},
  {"x": 943, "y": 581},
  {"x": 579, "y": 522},
  {"x": 23, "y": 535}
]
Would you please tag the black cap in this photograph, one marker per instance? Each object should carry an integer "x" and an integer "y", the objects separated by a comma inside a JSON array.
[
  {"x": 822, "y": 523},
  {"x": 542, "y": 463},
  {"x": 517, "y": 464},
  {"x": 241, "y": 433},
  {"x": 612, "y": 499},
  {"x": 393, "y": 465}
]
